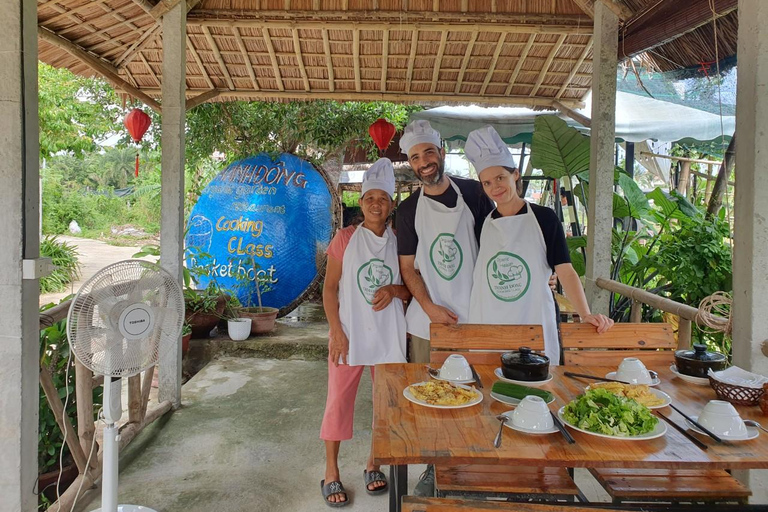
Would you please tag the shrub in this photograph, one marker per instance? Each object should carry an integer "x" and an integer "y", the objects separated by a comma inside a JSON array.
[{"x": 64, "y": 257}]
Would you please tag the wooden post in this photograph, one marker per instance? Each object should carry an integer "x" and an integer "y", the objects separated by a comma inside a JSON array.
[
  {"x": 134, "y": 399},
  {"x": 145, "y": 389},
  {"x": 84, "y": 397},
  {"x": 685, "y": 175},
  {"x": 636, "y": 312},
  {"x": 684, "y": 333},
  {"x": 52, "y": 395},
  {"x": 708, "y": 188}
]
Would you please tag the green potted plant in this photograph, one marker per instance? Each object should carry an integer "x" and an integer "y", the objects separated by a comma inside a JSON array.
[
  {"x": 203, "y": 309},
  {"x": 262, "y": 317},
  {"x": 186, "y": 334}
]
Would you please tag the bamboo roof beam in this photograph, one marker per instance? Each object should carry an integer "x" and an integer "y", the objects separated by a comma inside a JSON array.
[
  {"x": 576, "y": 67},
  {"x": 146, "y": 5},
  {"x": 70, "y": 13},
  {"x": 384, "y": 60},
  {"x": 356, "y": 58},
  {"x": 151, "y": 71},
  {"x": 146, "y": 38},
  {"x": 547, "y": 64},
  {"x": 576, "y": 116},
  {"x": 105, "y": 69},
  {"x": 494, "y": 8},
  {"x": 131, "y": 80},
  {"x": 202, "y": 98},
  {"x": 616, "y": 6},
  {"x": 199, "y": 63},
  {"x": 464, "y": 5},
  {"x": 164, "y": 6},
  {"x": 526, "y": 101},
  {"x": 465, "y": 62},
  {"x": 519, "y": 65},
  {"x": 299, "y": 58},
  {"x": 246, "y": 58},
  {"x": 439, "y": 61},
  {"x": 273, "y": 58},
  {"x": 492, "y": 66},
  {"x": 78, "y": 23},
  {"x": 329, "y": 61},
  {"x": 411, "y": 60},
  {"x": 436, "y": 5},
  {"x": 219, "y": 59},
  {"x": 319, "y": 24}
]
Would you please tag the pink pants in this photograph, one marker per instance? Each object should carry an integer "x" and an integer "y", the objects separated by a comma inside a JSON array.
[{"x": 343, "y": 381}]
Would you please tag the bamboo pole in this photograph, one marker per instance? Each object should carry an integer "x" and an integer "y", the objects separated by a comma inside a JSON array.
[
  {"x": 145, "y": 389},
  {"x": 548, "y": 63},
  {"x": 636, "y": 312},
  {"x": 685, "y": 176},
  {"x": 491, "y": 66},
  {"x": 134, "y": 399},
  {"x": 52, "y": 395},
  {"x": 84, "y": 398},
  {"x": 681, "y": 159},
  {"x": 684, "y": 334},
  {"x": 708, "y": 189},
  {"x": 201, "y": 98},
  {"x": 520, "y": 62}
]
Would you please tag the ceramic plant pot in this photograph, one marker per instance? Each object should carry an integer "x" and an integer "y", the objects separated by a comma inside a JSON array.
[{"x": 239, "y": 328}]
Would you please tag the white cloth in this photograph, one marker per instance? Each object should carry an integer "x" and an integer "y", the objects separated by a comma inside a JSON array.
[
  {"x": 484, "y": 149},
  {"x": 511, "y": 278},
  {"x": 739, "y": 377},
  {"x": 379, "y": 176},
  {"x": 445, "y": 256},
  {"x": 419, "y": 132},
  {"x": 369, "y": 263}
]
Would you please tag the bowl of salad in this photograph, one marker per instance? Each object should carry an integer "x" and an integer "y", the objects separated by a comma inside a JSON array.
[{"x": 601, "y": 413}]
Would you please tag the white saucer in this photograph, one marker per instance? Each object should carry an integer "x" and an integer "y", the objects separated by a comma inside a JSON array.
[
  {"x": 460, "y": 381},
  {"x": 509, "y": 424},
  {"x": 701, "y": 381},
  {"x": 531, "y": 384},
  {"x": 612, "y": 375},
  {"x": 752, "y": 432},
  {"x": 511, "y": 401}
]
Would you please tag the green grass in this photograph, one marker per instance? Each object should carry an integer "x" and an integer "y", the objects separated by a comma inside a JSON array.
[{"x": 65, "y": 259}]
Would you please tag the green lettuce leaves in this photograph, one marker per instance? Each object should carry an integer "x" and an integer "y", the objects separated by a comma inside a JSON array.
[{"x": 599, "y": 410}]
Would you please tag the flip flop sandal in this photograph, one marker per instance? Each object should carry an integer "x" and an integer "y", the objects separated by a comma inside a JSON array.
[
  {"x": 334, "y": 487},
  {"x": 375, "y": 476}
]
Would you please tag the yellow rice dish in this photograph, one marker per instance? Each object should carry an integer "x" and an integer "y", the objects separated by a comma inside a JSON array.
[
  {"x": 640, "y": 393},
  {"x": 439, "y": 392}
]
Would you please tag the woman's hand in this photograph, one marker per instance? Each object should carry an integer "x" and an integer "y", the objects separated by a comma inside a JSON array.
[
  {"x": 602, "y": 322},
  {"x": 338, "y": 346},
  {"x": 383, "y": 297},
  {"x": 553, "y": 282}
]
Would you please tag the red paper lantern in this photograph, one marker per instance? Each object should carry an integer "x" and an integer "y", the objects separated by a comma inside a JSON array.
[
  {"x": 382, "y": 132},
  {"x": 137, "y": 123}
]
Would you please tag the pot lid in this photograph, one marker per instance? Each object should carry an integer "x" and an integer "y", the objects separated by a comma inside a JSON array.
[
  {"x": 525, "y": 356},
  {"x": 699, "y": 353}
]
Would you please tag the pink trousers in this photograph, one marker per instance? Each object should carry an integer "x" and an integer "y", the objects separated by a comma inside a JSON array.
[{"x": 343, "y": 381}]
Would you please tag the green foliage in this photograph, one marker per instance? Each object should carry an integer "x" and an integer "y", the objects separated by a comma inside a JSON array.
[
  {"x": 558, "y": 149},
  {"x": 64, "y": 257}
]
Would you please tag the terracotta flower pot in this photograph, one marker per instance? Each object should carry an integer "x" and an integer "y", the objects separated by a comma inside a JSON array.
[
  {"x": 262, "y": 320},
  {"x": 46, "y": 482},
  {"x": 203, "y": 323},
  {"x": 185, "y": 343}
]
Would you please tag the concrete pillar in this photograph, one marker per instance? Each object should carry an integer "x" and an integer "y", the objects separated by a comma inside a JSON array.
[
  {"x": 750, "y": 331},
  {"x": 19, "y": 334},
  {"x": 172, "y": 185},
  {"x": 600, "y": 216}
]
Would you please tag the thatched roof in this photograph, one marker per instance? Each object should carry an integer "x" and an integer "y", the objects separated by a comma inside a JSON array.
[{"x": 502, "y": 52}]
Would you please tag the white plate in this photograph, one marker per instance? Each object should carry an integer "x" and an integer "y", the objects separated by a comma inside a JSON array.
[
  {"x": 660, "y": 394},
  {"x": 701, "y": 381},
  {"x": 511, "y": 401},
  {"x": 612, "y": 375},
  {"x": 409, "y": 396},
  {"x": 509, "y": 424},
  {"x": 660, "y": 430},
  {"x": 752, "y": 432},
  {"x": 462, "y": 381},
  {"x": 531, "y": 384}
]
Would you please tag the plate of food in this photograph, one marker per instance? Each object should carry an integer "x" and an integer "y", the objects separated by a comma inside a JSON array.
[
  {"x": 441, "y": 394},
  {"x": 640, "y": 393},
  {"x": 599, "y": 412}
]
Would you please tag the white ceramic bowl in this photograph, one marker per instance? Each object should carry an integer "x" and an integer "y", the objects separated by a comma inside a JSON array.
[
  {"x": 532, "y": 414},
  {"x": 633, "y": 370},
  {"x": 723, "y": 419},
  {"x": 455, "y": 367}
]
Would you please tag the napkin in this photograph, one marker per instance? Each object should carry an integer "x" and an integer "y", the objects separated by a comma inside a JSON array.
[{"x": 739, "y": 377}]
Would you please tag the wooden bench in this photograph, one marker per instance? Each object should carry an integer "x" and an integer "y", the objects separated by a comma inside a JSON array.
[
  {"x": 654, "y": 344},
  {"x": 483, "y": 344},
  {"x": 419, "y": 504}
]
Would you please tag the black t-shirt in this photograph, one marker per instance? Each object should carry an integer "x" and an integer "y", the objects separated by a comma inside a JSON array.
[
  {"x": 474, "y": 197},
  {"x": 552, "y": 229}
]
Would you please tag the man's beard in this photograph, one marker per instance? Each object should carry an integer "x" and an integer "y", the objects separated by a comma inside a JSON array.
[{"x": 434, "y": 178}]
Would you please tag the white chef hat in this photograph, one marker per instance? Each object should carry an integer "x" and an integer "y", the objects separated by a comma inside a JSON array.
[
  {"x": 484, "y": 149},
  {"x": 419, "y": 132},
  {"x": 380, "y": 176}
]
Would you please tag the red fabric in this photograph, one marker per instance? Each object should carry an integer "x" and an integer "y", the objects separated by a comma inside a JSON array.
[{"x": 340, "y": 242}]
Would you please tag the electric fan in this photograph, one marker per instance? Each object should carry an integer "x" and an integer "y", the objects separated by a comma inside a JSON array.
[{"x": 120, "y": 322}]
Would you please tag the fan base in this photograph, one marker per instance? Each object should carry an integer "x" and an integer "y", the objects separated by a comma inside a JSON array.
[{"x": 130, "y": 508}]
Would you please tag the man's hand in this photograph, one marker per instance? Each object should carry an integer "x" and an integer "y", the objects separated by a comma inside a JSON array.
[
  {"x": 553, "y": 282},
  {"x": 338, "y": 346},
  {"x": 602, "y": 322},
  {"x": 441, "y": 315},
  {"x": 383, "y": 297}
]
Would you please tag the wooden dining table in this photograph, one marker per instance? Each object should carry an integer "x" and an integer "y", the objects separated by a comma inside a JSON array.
[{"x": 407, "y": 433}]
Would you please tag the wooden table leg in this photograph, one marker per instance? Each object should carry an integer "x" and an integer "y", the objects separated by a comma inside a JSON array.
[{"x": 398, "y": 486}]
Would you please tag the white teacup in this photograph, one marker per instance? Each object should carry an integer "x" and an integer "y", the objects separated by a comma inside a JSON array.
[
  {"x": 633, "y": 370},
  {"x": 723, "y": 419},
  {"x": 532, "y": 414},
  {"x": 456, "y": 367}
]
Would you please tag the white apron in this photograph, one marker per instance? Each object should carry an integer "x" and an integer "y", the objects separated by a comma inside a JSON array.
[
  {"x": 445, "y": 256},
  {"x": 511, "y": 278},
  {"x": 369, "y": 263}
]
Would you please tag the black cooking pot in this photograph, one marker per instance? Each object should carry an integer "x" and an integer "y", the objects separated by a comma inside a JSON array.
[
  {"x": 698, "y": 361},
  {"x": 525, "y": 365}
]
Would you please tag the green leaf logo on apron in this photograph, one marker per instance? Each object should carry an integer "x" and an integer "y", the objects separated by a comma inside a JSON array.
[
  {"x": 371, "y": 276},
  {"x": 446, "y": 256},
  {"x": 508, "y": 276}
]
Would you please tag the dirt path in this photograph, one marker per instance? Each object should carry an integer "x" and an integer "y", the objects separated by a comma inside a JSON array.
[{"x": 94, "y": 255}]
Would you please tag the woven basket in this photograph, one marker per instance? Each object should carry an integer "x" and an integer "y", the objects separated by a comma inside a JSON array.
[{"x": 738, "y": 395}]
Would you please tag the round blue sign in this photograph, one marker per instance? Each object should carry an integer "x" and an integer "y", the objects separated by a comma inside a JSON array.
[{"x": 262, "y": 220}]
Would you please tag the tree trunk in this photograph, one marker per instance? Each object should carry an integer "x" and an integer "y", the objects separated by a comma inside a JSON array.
[{"x": 723, "y": 175}]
